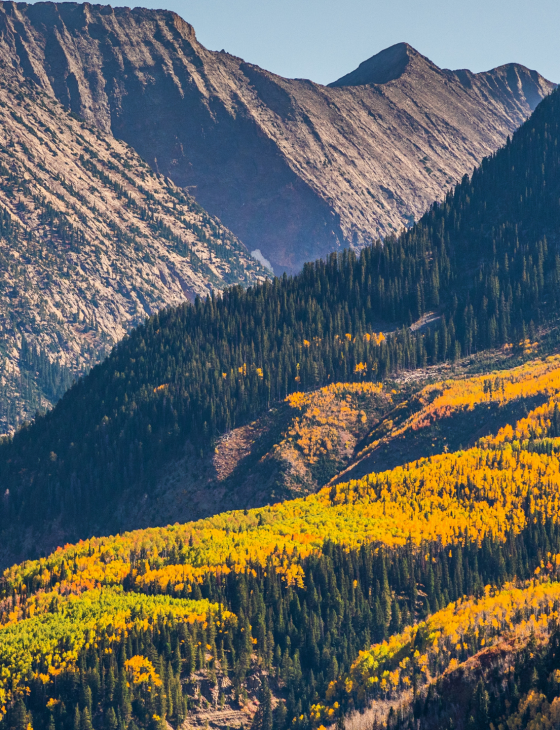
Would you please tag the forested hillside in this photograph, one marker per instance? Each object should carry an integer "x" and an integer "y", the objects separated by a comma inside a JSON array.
[
  {"x": 485, "y": 263},
  {"x": 452, "y": 413},
  {"x": 341, "y": 431},
  {"x": 394, "y": 595},
  {"x": 290, "y": 451}
]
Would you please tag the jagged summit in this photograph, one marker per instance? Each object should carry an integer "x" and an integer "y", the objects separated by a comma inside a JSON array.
[
  {"x": 387, "y": 65},
  {"x": 295, "y": 169},
  {"x": 391, "y": 63}
]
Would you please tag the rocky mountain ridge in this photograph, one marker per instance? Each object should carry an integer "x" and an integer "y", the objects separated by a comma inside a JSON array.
[
  {"x": 91, "y": 243},
  {"x": 293, "y": 168}
]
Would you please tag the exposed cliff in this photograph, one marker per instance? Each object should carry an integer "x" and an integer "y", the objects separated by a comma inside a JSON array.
[
  {"x": 294, "y": 168},
  {"x": 91, "y": 243}
]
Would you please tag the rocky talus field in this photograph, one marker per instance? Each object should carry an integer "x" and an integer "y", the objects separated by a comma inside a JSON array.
[{"x": 295, "y": 169}]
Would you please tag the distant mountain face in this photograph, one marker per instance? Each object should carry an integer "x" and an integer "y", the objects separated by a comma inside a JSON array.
[
  {"x": 91, "y": 243},
  {"x": 293, "y": 168}
]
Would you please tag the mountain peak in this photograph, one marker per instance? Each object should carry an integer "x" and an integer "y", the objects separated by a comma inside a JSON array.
[{"x": 385, "y": 66}]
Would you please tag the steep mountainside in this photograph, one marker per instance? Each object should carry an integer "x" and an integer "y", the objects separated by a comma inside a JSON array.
[
  {"x": 485, "y": 267},
  {"x": 91, "y": 243},
  {"x": 295, "y": 169}
]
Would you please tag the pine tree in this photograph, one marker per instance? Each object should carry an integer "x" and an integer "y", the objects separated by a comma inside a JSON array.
[
  {"x": 19, "y": 717},
  {"x": 86, "y": 720},
  {"x": 111, "y": 722}
]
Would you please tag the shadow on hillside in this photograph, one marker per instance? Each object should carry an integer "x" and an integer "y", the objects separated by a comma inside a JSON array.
[{"x": 458, "y": 431}]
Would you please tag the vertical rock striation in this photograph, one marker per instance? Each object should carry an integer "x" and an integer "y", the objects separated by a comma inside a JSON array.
[
  {"x": 92, "y": 242},
  {"x": 293, "y": 168}
]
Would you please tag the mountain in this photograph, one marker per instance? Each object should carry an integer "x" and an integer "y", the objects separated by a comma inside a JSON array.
[
  {"x": 91, "y": 243},
  {"x": 425, "y": 596},
  {"x": 295, "y": 169},
  {"x": 479, "y": 271},
  {"x": 388, "y": 65}
]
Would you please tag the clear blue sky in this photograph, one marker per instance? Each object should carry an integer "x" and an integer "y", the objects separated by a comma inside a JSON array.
[{"x": 324, "y": 39}]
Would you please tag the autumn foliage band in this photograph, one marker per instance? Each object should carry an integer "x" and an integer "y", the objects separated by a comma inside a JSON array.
[
  {"x": 109, "y": 632},
  {"x": 306, "y": 635}
]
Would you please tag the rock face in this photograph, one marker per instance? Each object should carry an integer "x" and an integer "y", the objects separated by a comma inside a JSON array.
[
  {"x": 293, "y": 168},
  {"x": 91, "y": 243}
]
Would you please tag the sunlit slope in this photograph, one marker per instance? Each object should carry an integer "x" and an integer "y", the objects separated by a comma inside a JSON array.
[
  {"x": 480, "y": 491},
  {"x": 455, "y": 646},
  {"x": 483, "y": 491},
  {"x": 289, "y": 452},
  {"x": 52, "y": 640},
  {"x": 150, "y": 635},
  {"x": 454, "y": 413},
  {"x": 345, "y": 431}
]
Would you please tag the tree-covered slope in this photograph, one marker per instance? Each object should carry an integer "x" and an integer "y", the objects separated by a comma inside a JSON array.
[
  {"x": 289, "y": 451},
  {"x": 485, "y": 263},
  {"x": 345, "y": 431},
  {"x": 452, "y": 413},
  {"x": 379, "y": 593},
  {"x": 91, "y": 243},
  {"x": 478, "y": 663}
]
